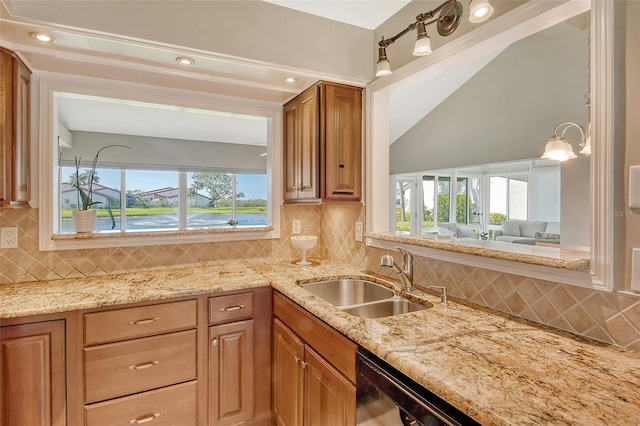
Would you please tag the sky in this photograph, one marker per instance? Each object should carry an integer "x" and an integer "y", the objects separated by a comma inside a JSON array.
[{"x": 253, "y": 186}]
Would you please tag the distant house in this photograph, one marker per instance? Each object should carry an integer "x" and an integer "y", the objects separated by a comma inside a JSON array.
[
  {"x": 69, "y": 195},
  {"x": 169, "y": 196}
]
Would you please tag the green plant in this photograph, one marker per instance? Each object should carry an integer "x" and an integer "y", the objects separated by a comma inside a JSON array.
[{"x": 85, "y": 197}]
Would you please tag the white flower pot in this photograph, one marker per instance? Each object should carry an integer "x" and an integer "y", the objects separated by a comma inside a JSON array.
[{"x": 84, "y": 221}]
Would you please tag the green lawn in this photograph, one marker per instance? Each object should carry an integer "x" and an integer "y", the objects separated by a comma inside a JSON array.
[{"x": 66, "y": 213}]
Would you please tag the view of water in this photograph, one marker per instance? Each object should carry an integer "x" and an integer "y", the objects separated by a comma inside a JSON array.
[{"x": 167, "y": 221}]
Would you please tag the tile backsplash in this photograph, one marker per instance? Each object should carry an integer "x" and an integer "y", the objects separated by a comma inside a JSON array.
[{"x": 608, "y": 317}]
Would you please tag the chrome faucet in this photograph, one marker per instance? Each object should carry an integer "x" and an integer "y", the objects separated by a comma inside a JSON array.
[{"x": 406, "y": 273}]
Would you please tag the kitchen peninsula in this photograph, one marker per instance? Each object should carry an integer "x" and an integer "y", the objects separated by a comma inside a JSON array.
[{"x": 498, "y": 369}]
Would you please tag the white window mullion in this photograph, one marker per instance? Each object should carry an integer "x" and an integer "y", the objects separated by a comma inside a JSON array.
[
  {"x": 123, "y": 200},
  {"x": 182, "y": 200},
  {"x": 233, "y": 196}
]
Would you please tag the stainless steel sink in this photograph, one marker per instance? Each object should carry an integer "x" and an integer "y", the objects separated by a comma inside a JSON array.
[
  {"x": 348, "y": 292},
  {"x": 385, "y": 308},
  {"x": 362, "y": 298}
]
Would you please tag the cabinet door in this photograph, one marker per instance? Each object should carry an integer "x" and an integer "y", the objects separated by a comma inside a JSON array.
[
  {"x": 288, "y": 377},
  {"x": 231, "y": 370},
  {"x": 342, "y": 159},
  {"x": 32, "y": 369},
  {"x": 290, "y": 147},
  {"x": 309, "y": 133},
  {"x": 301, "y": 133},
  {"x": 329, "y": 398}
]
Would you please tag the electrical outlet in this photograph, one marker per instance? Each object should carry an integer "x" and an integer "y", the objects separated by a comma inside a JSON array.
[
  {"x": 9, "y": 237},
  {"x": 359, "y": 231},
  {"x": 635, "y": 269},
  {"x": 296, "y": 227}
]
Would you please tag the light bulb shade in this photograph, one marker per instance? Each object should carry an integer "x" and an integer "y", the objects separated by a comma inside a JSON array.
[
  {"x": 586, "y": 150},
  {"x": 423, "y": 41},
  {"x": 383, "y": 67},
  {"x": 479, "y": 11},
  {"x": 558, "y": 149}
]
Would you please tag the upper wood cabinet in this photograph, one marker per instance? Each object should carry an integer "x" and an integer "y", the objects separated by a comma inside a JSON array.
[
  {"x": 15, "y": 144},
  {"x": 323, "y": 144}
]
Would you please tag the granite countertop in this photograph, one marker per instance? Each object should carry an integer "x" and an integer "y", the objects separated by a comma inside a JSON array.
[
  {"x": 499, "y": 370},
  {"x": 555, "y": 257}
]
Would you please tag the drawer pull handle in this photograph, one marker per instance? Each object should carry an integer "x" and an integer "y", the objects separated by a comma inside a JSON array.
[
  {"x": 144, "y": 321},
  {"x": 144, "y": 365},
  {"x": 232, "y": 308},
  {"x": 145, "y": 419}
]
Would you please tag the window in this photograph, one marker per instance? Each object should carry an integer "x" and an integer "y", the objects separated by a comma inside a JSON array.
[
  {"x": 467, "y": 199},
  {"x": 209, "y": 169},
  {"x": 436, "y": 193},
  {"x": 508, "y": 198}
]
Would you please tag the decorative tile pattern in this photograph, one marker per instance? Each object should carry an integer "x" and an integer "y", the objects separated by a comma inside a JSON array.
[{"x": 608, "y": 317}]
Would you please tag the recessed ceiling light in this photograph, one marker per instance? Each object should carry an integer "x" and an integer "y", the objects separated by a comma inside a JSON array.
[
  {"x": 46, "y": 38},
  {"x": 183, "y": 60},
  {"x": 290, "y": 80}
]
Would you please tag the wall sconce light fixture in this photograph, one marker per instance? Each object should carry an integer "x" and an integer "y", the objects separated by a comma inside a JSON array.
[
  {"x": 558, "y": 148},
  {"x": 447, "y": 20}
]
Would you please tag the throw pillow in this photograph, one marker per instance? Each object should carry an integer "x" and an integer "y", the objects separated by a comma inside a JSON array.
[
  {"x": 511, "y": 228},
  {"x": 528, "y": 228},
  {"x": 547, "y": 236}
]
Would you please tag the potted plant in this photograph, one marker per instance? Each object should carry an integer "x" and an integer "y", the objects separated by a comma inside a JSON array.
[{"x": 84, "y": 219}]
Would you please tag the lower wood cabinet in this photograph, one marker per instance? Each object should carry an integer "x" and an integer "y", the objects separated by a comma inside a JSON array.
[
  {"x": 307, "y": 389},
  {"x": 170, "y": 406},
  {"x": 239, "y": 358},
  {"x": 231, "y": 370},
  {"x": 32, "y": 374}
]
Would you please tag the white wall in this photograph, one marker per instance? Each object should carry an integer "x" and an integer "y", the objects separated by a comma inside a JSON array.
[
  {"x": 544, "y": 193},
  {"x": 506, "y": 112}
]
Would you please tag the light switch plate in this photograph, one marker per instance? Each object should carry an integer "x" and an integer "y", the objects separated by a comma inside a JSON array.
[
  {"x": 359, "y": 231},
  {"x": 635, "y": 269},
  {"x": 634, "y": 187}
]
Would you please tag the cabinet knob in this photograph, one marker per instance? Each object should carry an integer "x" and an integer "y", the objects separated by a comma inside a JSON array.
[
  {"x": 304, "y": 365},
  {"x": 297, "y": 360},
  {"x": 214, "y": 342},
  {"x": 144, "y": 419}
]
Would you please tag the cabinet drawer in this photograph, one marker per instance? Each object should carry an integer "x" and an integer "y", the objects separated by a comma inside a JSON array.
[
  {"x": 175, "y": 405},
  {"x": 121, "y": 324},
  {"x": 124, "y": 368},
  {"x": 230, "y": 308}
]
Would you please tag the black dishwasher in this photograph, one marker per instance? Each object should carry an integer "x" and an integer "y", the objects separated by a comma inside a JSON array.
[{"x": 388, "y": 397}]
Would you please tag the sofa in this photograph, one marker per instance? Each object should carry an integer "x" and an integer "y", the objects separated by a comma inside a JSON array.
[
  {"x": 456, "y": 230},
  {"x": 528, "y": 232}
]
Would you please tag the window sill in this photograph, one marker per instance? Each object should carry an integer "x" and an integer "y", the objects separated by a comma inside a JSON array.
[
  {"x": 131, "y": 239},
  {"x": 547, "y": 263}
]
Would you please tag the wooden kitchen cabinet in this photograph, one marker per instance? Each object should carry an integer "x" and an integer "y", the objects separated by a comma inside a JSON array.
[
  {"x": 140, "y": 365},
  {"x": 323, "y": 144},
  {"x": 313, "y": 370},
  {"x": 15, "y": 142},
  {"x": 239, "y": 359},
  {"x": 32, "y": 374}
]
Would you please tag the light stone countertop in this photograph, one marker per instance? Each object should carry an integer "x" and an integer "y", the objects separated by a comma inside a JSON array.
[
  {"x": 554, "y": 257},
  {"x": 500, "y": 370}
]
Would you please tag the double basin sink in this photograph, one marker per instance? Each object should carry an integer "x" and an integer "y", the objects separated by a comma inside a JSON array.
[{"x": 362, "y": 298}]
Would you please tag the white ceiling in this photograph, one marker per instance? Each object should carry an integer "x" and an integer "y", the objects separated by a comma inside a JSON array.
[{"x": 361, "y": 13}]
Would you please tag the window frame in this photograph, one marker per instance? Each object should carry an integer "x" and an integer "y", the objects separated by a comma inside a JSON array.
[{"x": 50, "y": 83}]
